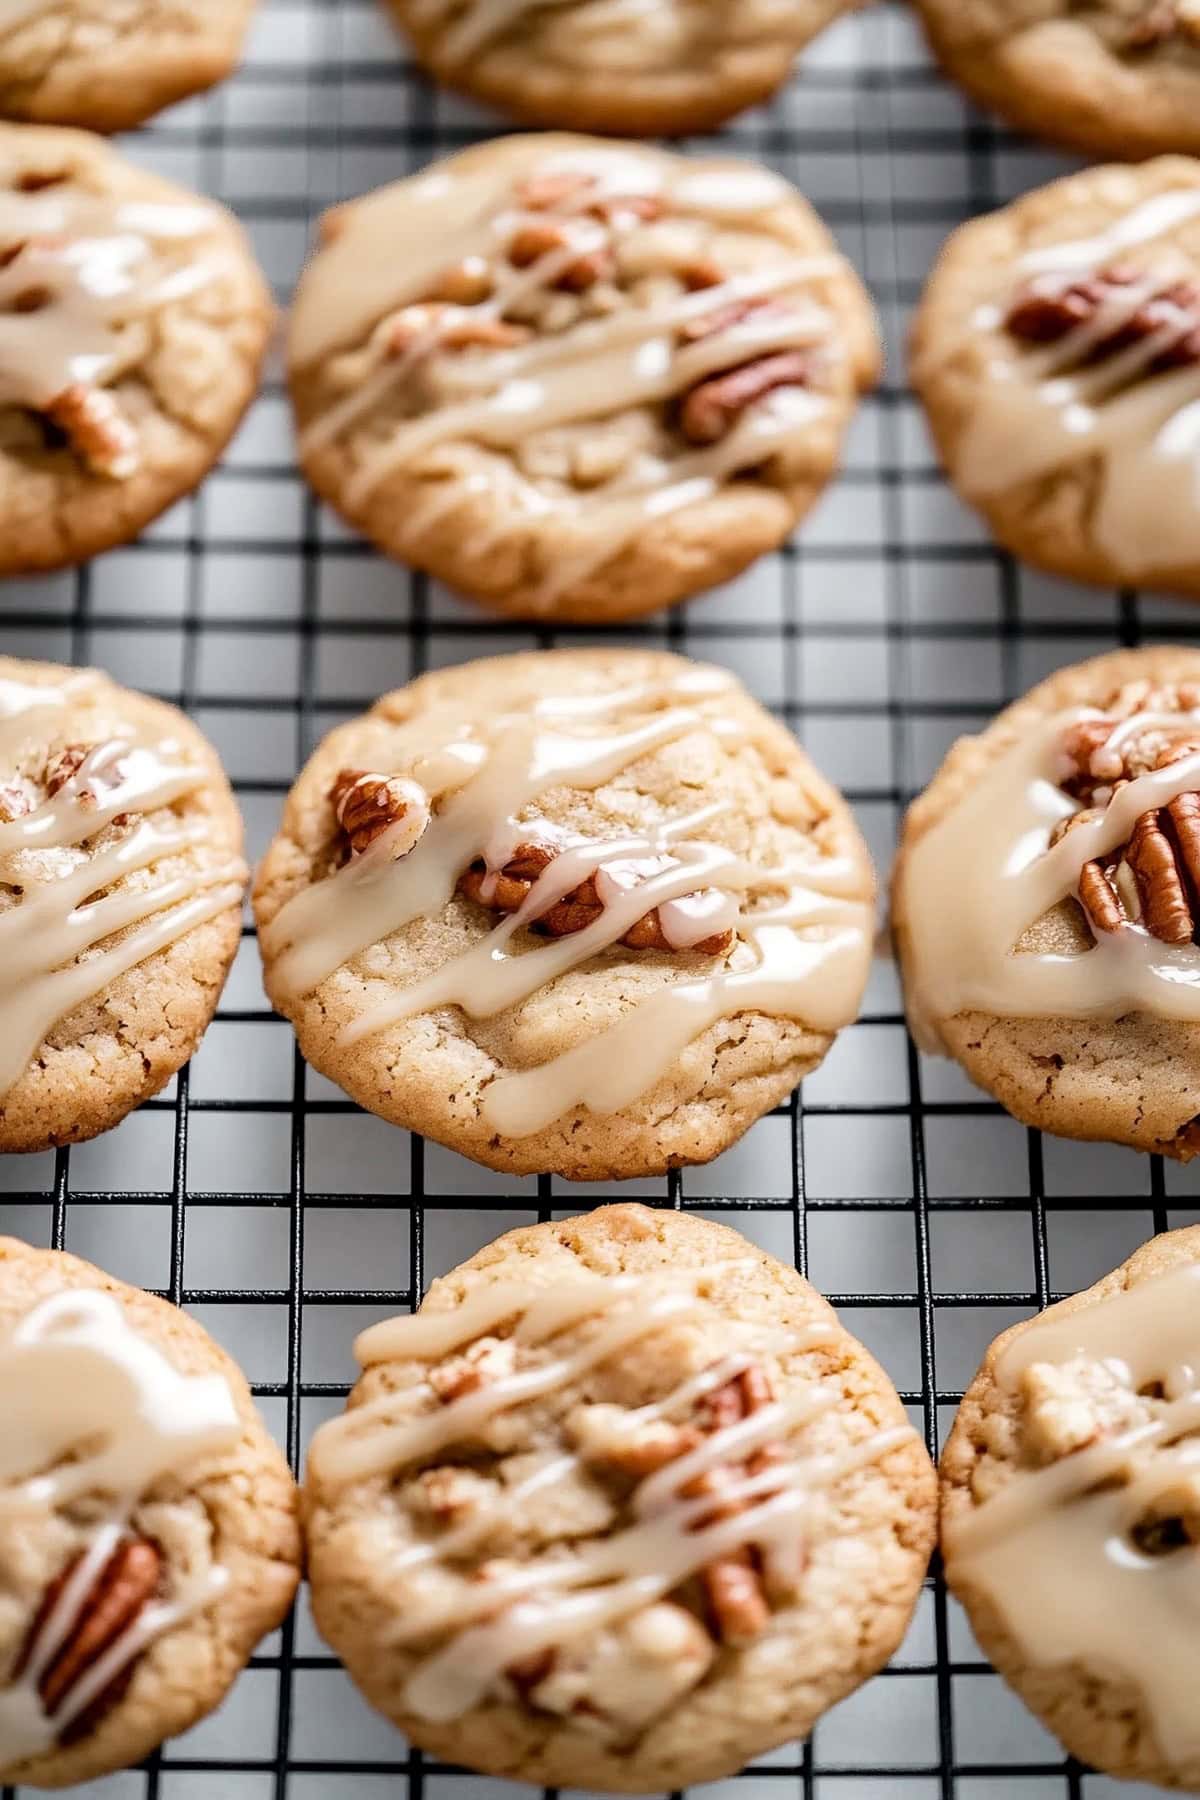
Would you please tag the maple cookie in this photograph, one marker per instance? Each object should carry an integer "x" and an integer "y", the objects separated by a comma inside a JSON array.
[
  {"x": 1071, "y": 1514},
  {"x": 1113, "y": 77},
  {"x": 133, "y": 323},
  {"x": 1057, "y": 351},
  {"x": 121, "y": 883},
  {"x": 670, "y": 66},
  {"x": 577, "y": 380},
  {"x": 588, "y": 911},
  {"x": 109, "y": 64},
  {"x": 148, "y": 1525},
  {"x": 1047, "y": 903},
  {"x": 622, "y": 1506}
]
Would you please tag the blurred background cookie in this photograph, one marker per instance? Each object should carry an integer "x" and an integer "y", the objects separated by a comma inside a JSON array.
[
  {"x": 121, "y": 882},
  {"x": 133, "y": 323},
  {"x": 590, "y": 912},
  {"x": 657, "y": 68},
  {"x": 148, "y": 1525},
  {"x": 109, "y": 64},
  {"x": 1057, "y": 351},
  {"x": 576, "y": 380},
  {"x": 636, "y": 1556}
]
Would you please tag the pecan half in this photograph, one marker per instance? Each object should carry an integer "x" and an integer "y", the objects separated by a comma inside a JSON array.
[
  {"x": 367, "y": 804},
  {"x": 506, "y": 890},
  {"x": 732, "y": 1584},
  {"x": 126, "y": 1583},
  {"x": 97, "y": 430},
  {"x": 1050, "y": 307},
  {"x": 715, "y": 405}
]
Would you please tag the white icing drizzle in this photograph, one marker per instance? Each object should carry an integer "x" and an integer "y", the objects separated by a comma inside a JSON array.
[
  {"x": 525, "y": 1609},
  {"x": 49, "y": 957},
  {"x": 1052, "y": 1549},
  {"x": 599, "y": 368},
  {"x": 75, "y": 297},
  {"x": 90, "y": 1408},
  {"x": 1039, "y": 411},
  {"x": 805, "y": 957},
  {"x": 976, "y": 881}
]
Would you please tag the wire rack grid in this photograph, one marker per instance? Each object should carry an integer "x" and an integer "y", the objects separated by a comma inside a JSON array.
[{"x": 255, "y": 1195}]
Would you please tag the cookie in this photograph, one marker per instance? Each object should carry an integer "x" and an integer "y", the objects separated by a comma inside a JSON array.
[
  {"x": 1115, "y": 78},
  {"x": 121, "y": 883},
  {"x": 110, "y": 64},
  {"x": 588, "y": 912},
  {"x": 148, "y": 1525},
  {"x": 1047, "y": 904},
  {"x": 667, "y": 67},
  {"x": 513, "y": 1541},
  {"x": 1057, "y": 351},
  {"x": 1071, "y": 1514},
  {"x": 576, "y": 380},
  {"x": 133, "y": 323}
]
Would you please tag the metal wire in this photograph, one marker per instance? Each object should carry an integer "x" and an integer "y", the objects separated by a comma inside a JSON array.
[{"x": 889, "y": 626}]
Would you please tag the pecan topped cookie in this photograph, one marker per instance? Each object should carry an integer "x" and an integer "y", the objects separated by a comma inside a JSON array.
[
  {"x": 1115, "y": 77},
  {"x": 662, "y": 67},
  {"x": 148, "y": 1530},
  {"x": 1047, "y": 903},
  {"x": 622, "y": 1506},
  {"x": 577, "y": 380},
  {"x": 132, "y": 325},
  {"x": 1057, "y": 351},
  {"x": 590, "y": 912},
  {"x": 110, "y": 64}
]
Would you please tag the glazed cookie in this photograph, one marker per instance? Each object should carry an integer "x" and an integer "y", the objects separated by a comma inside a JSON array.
[
  {"x": 516, "y": 1543},
  {"x": 589, "y": 912},
  {"x": 1071, "y": 1514},
  {"x": 1047, "y": 904},
  {"x": 670, "y": 66},
  {"x": 121, "y": 883},
  {"x": 1113, "y": 77},
  {"x": 148, "y": 1525},
  {"x": 1057, "y": 351},
  {"x": 109, "y": 64},
  {"x": 133, "y": 323},
  {"x": 577, "y": 380}
]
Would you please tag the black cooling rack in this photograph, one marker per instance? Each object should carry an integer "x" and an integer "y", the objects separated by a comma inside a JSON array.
[{"x": 257, "y": 1197}]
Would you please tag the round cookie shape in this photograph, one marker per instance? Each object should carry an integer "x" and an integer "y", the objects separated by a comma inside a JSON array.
[
  {"x": 519, "y": 1505},
  {"x": 121, "y": 883},
  {"x": 590, "y": 912},
  {"x": 1046, "y": 904},
  {"x": 1070, "y": 1518},
  {"x": 678, "y": 66},
  {"x": 110, "y": 64},
  {"x": 149, "y": 1531},
  {"x": 1057, "y": 352},
  {"x": 1117, "y": 78},
  {"x": 133, "y": 323},
  {"x": 577, "y": 380}
]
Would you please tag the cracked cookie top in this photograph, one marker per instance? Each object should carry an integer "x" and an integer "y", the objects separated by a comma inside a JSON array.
[
  {"x": 1047, "y": 897},
  {"x": 148, "y": 1532},
  {"x": 581, "y": 380},
  {"x": 650, "y": 68},
  {"x": 626, "y": 1503},
  {"x": 110, "y": 64},
  {"x": 132, "y": 325},
  {"x": 1115, "y": 77},
  {"x": 587, "y": 911}
]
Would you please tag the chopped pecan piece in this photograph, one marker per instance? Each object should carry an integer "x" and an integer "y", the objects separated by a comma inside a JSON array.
[
  {"x": 715, "y": 405},
  {"x": 488, "y": 1359},
  {"x": 126, "y": 1583},
  {"x": 722, "y": 318},
  {"x": 367, "y": 804},
  {"x": 506, "y": 891},
  {"x": 445, "y": 331},
  {"x": 734, "y": 1591},
  {"x": 466, "y": 283},
  {"x": 1050, "y": 307},
  {"x": 574, "y": 191},
  {"x": 16, "y": 801},
  {"x": 96, "y": 429},
  {"x": 540, "y": 239}
]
